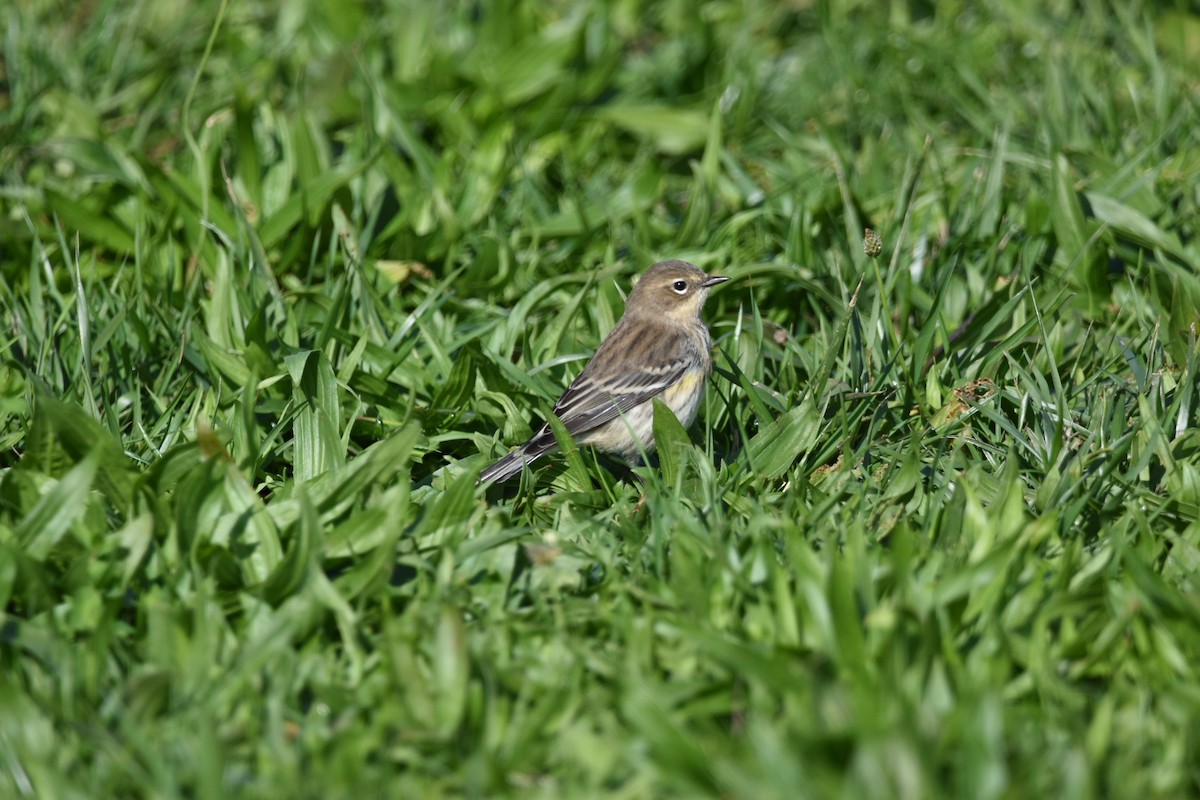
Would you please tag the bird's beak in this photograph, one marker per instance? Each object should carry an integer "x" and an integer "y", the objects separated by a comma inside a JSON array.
[{"x": 714, "y": 280}]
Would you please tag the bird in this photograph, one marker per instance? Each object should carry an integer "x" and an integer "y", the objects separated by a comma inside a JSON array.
[{"x": 660, "y": 348}]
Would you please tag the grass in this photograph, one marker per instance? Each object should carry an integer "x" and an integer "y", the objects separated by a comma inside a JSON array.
[{"x": 280, "y": 279}]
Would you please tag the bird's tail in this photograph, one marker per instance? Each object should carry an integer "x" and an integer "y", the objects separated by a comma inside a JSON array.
[{"x": 510, "y": 465}]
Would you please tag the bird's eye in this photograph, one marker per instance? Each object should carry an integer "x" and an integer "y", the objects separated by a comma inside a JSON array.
[{"x": 680, "y": 287}]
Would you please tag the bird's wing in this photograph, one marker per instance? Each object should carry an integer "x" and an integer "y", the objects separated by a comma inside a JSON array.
[
  {"x": 590, "y": 401},
  {"x": 651, "y": 359}
]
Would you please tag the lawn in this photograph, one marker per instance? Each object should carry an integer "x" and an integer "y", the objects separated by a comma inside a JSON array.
[{"x": 280, "y": 278}]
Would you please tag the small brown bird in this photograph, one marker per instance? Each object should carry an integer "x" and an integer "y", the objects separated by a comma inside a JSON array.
[{"x": 659, "y": 348}]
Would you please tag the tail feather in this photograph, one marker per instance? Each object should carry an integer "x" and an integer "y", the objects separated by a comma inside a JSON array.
[{"x": 510, "y": 465}]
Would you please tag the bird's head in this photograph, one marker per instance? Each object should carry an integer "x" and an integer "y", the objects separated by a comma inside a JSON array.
[{"x": 674, "y": 289}]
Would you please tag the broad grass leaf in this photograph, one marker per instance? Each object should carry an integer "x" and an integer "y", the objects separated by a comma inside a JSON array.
[
  {"x": 37, "y": 642},
  {"x": 135, "y": 538},
  {"x": 304, "y": 543},
  {"x": 175, "y": 487},
  {"x": 485, "y": 174},
  {"x": 316, "y": 439},
  {"x": 63, "y": 434},
  {"x": 221, "y": 362},
  {"x": 555, "y": 344},
  {"x": 101, "y": 158},
  {"x": 672, "y": 443},
  {"x": 388, "y": 461},
  {"x": 451, "y": 669},
  {"x": 666, "y": 732},
  {"x": 783, "y": 599},
  {"x": 409, "y": 334},
  {"x": 923, "y": 348},
  {"x": 1091, "y": 571},
  {"x": 902, "y": 479},
  {"x": 456, "y": 392},
  {"x": 993, "y": 352},
  {"x": 769, "y": 666},
  {"x": 965, "y": 580},
  {"x": 358, "y": 534},
  {"x": 515, "y": 324},
  {"x": 481, "y": 544},
  {"x": 847, "y": 619},
  {"x": 447, "y": 513},
  {"x": 518, "y": 377},
  {"x": 1134, "y": 226},
  {"x": 379, "y": 524},
  {"x": 10, "y": 554},
  {"x": 534, "y": 65},
  {"x": 1183, "y": 319},
  {"x": 1069, "y": 226},
  {"x": 1184, "y": 490},
  {"x": 216, "y": 516},
  {"x": 242, "y": 527},
  {"x": 46, "y": 523},
  {"x": 1177, "y": 32},
  {"x": 180, "y": 192},
  {"x": 411, "y": 149},
  {"x": 411, "y": 49},
  {"x": 307, "y": 204},
  {"x": 1072, "y": 233},
  {"x": 697, "y": 223},
  {"x": 571, "y": 222},
  {"x": 324, "y": 591},
  {"x": 1148, "y": 589},
  {"x": 371, "y": 537},
  {"x": 994, "y": 315},
  {"x": 689, "y": 560},
  {"x": 765, "y": 405},
  {"x": 816, "y": 388},
  {"x": 577, "y": 470},
  {"x": 675, "y": 131},
  {"x": 776, "y": 446},
  {"x": 310, "y": 159},
  {"x": 991, "y": 205},
  {"x": 714, "y": 147},
  {"x": 92, "y": 225},
  {"x": 249, "y": 166}
]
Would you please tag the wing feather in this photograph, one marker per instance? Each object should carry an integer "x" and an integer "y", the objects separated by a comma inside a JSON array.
[{"x": 603, "y": 391}]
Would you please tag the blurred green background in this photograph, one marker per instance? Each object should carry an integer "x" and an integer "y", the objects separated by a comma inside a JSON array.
[{"x": 279, "y": 278}]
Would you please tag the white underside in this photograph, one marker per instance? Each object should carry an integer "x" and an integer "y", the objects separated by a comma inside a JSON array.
[{"x": 614, "y": 437}]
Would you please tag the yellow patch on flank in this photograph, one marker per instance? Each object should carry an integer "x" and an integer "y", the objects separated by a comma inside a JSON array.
[
  {"x": 684, "y": 385},
  {"x": 683, "y": 397}
]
